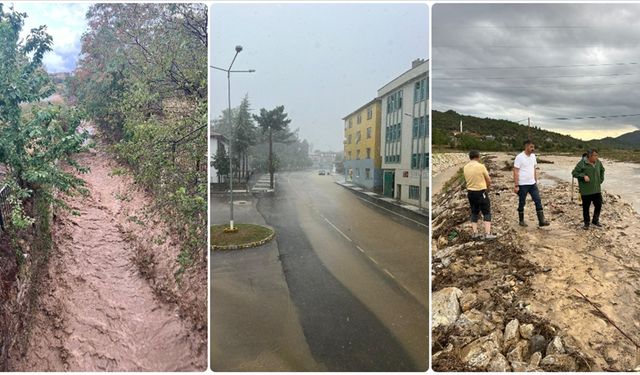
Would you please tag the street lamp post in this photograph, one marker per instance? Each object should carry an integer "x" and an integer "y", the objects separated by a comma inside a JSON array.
[{"x": 229, "y": 71}]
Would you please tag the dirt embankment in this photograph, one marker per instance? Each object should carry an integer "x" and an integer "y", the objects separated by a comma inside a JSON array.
[
  {"x": 552, "y": 298},
  {"x": 97, "y": 310}
]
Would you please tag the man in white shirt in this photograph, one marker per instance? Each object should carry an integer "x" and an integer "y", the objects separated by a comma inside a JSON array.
[{"x": 525, "y": 176}]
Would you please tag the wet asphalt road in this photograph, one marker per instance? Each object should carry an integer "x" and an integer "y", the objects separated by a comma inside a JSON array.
[{"x": 356, "y": 274}]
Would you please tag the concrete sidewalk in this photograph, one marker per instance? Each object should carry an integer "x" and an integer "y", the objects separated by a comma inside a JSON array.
[
  {"x": 407, "y": 211},
  {"x": 263, "y": 184},
  {"x": 254, "y": 323}
]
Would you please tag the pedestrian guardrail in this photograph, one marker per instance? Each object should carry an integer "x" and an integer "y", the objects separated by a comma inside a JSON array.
[{"x": 4, "y": 205}]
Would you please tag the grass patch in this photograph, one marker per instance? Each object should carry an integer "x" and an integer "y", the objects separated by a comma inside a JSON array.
[
  {"x": 456, "y": 180},
  {"x": 246, "y": 234}
]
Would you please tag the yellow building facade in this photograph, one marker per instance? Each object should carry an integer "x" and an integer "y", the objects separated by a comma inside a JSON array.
[{"x": 362, "y": 158}]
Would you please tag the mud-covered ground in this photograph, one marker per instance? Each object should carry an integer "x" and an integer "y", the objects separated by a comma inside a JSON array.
[
  {"x": 100, "y": 308},
  {"x": 536, "y": 298}
]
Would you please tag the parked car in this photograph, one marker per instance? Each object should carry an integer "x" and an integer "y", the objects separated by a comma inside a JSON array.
[{"x": 321, "y": 172}]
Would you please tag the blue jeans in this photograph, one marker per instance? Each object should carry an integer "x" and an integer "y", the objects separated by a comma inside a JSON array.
[{"x": 535, "y": 195}]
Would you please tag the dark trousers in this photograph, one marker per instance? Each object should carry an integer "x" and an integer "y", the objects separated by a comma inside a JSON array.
[
  {"x": 479, "y": 202},
  {"x": 535, "y": 195},
  {"x": 586, "y": 204}
]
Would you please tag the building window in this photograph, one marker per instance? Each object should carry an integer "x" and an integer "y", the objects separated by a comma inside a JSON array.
[
  {"x": 367, "y": 173},
  {"x": 369, "y": 113},
  {"x": 349, "y": 156},
  {"x": 358, "y": 136},
  {"x": 368, "y": 132},
  {"x": 415, "y": 128},
  {"x": 350, "y": 123},
  {"x": 420, "y": 91},
  {"x": 357, "y": 154},
  {"x": 349, "y": 139},
  {"x": 359, "y": 118},
  {"x": 414, "y": 192},
  {"x": 358, "y": 172},
  {"x": 368, "y": 152},
  {"x": 394, "y": 101}
]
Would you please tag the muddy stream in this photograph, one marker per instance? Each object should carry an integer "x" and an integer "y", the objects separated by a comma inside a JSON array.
[{"x": 96, "y": 313}]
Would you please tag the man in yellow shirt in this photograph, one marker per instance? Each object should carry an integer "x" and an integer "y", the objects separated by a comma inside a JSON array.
[{"x": 478, "y": 181}]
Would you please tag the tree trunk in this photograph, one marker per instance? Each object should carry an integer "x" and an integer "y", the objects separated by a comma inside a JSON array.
[{"x": 270, "y": 158}]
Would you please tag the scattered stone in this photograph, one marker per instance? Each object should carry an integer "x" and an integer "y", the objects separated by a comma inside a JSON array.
[
  {"x": 558, "y": 362},
  {"x": 519, "y": 366},
  {"x": 535, "y": 359},
  {"x": 446, "y": 308},
  {"x": 537, "y": 343},
  {"x": 499, "y": 364},
  {"x": 511, "y": 334},
  {"x": 474, "y": 323},
  {"x": 555, "y": 346},
  {"x": 526, "y": 331},
  {"x": 468, "y": 300},
  {"x": 448, "y": 349},
  {"x": 546, "y": 269},
  {"x": 519, "y": 352},
  {"x": 479, "y": 353},
  {"x": 442, "y": 241}
]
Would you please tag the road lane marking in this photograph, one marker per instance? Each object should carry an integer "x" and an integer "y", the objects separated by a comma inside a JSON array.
[
  {"x": 395, "y": 213},
  {"x": 336, "y": 228},
  {"x": 359, "y": 248},
  {"x": 373, "y": 260},
  {"x": 389, "y": 273}
]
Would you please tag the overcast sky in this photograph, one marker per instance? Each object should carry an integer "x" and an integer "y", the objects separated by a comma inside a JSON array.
[
  {"x": 543, "y": 61},
  {"x": 321, "y": 61},
  {"x": 65, "y": 23}
]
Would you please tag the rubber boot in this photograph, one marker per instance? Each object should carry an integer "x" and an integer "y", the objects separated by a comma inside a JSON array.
[
  {"x": 541, "y": 221},
  {"x": 521, "y": 217}
]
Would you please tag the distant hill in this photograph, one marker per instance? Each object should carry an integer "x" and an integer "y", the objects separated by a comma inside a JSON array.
[
  {"x": 627, "y": 140},
  {"x": 489, "y": 134}
]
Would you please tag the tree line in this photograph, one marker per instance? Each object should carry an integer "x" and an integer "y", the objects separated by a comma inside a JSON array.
[
  {"x": 261, "y": 142},
  {"x": 142, "y": 80}
]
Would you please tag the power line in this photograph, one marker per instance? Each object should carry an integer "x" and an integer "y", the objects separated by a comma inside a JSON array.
[
  {"x": 533, "y": 77},
  {"x": 536, "y": 66},
  {"x": 554, "y": 85}
]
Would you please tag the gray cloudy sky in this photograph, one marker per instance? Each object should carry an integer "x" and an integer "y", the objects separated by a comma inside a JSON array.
[
  {"x": 543, "y": 61},
  {"x": 321, "y": 61}
]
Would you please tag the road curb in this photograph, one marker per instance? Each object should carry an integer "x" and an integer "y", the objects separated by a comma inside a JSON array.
[
  {"x": 246, "y": 245},
  {"x": 416, "y": 216}
]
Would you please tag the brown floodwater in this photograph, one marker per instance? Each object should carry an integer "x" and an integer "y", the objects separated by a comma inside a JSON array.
[{"x": 95, "y": 312}]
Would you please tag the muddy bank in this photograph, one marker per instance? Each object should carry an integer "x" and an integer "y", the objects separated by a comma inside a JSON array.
[
  {"x": 548, "y": 280},
  {"x": 23, "y": 260},
  {"x": 96, "y": 310}
]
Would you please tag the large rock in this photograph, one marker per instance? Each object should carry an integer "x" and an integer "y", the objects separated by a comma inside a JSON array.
[
  {"x": 555, "y": 346},
  {"x": 479, "y": 353},
  {"x": 535, "y": 359},
  {"x": 537, "y": 343},
  {"x": 519, "y": 352},
  {"x": 524, "y": 367},
  {"x": 446, "y": 308},
  {"x": 558, "y": 362},
  {"x": 511, "y": 334},
  {"x": 467, "y": 301},
  {"x": 526, "y": 331},
  {"x": 499, "y": 364},
  {"x": 474, "y": 323}
]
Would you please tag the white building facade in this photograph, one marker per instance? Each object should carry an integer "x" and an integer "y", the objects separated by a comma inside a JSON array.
[
  {"x": 217, "y": 141},
  {"x": 404, "y": 141}
]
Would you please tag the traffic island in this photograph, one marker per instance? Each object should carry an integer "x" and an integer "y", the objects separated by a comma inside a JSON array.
[{"x": 246, "y": 236}]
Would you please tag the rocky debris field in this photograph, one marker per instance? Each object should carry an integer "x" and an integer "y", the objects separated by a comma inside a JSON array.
[{"x": 557, "y": 298}]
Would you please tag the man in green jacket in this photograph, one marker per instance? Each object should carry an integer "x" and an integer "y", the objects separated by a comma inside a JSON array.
[{"x": 590, "y": 174}]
